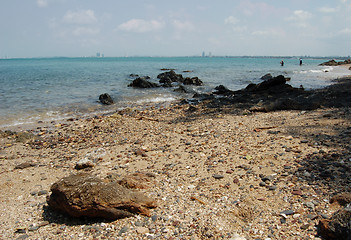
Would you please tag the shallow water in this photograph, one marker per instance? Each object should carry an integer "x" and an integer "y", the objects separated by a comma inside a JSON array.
[{"x": 55, "y": 88}]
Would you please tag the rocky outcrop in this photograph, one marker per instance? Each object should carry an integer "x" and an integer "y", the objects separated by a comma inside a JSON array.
[
  {"x": 335, "y": 63},
  {"x": 86, "y": 195},
  {"x": 170, "y": 77},
  {"x": 106, "y": 99},
  {"x": 268, "y": 84},
  {"x": 192, "y": 81},
  {"x": 267, "y": 76},
  {"x": 167, "y": 78},
  {"x": 143, "y": 83}
]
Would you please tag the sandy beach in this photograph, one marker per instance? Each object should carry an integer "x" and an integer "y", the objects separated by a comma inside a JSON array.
[{"x": 222, "y": 173}]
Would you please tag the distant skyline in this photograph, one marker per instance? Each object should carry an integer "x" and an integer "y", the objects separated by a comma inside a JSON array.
[{"x": 77, "y": 28}]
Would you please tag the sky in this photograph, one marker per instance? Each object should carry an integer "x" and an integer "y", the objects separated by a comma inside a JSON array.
[{"x": 77, "y": 28}]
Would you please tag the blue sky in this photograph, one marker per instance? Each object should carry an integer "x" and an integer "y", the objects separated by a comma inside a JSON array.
[{"x": 43, "y": 28}]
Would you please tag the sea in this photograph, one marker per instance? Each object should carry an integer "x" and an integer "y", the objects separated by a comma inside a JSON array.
[{"x": 36, "y": 90}]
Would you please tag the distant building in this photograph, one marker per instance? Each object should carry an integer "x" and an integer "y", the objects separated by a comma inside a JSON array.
[
  {"x": 98, "y": 54},
  {"x": 203, "y": 54}
]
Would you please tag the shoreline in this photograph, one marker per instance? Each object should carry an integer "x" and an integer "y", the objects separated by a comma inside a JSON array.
[{"x": 222, "y": 172}]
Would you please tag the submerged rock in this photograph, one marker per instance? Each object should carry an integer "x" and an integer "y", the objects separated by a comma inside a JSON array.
[
  {"x": 106, "y": 99},
  {"x": 86, "y": 195},
  {"x": 143, "y": 83}
]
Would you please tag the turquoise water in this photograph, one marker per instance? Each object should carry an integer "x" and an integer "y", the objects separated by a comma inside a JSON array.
[{"x": 56, "y": 88}]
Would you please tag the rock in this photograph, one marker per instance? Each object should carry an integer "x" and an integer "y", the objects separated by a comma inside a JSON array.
[
  {"x": 86, "y": 195},
  {"x": 343, "y": 199},
  {"x": 84, "y": 163},
  {"x": 142, "y": 230},
  {"x": 25, "y": 165},
  {"x": 169, "y": 77},
  {"x": 267, "y": 76},
  {"x": 338, "y": 226},
  {"x": 335, "y": 63},
  {"x": 182, "y": 89},
  {"x": 288, "y": 212},
  {"x": 273, "y": 82},
  {"x": 192, "y": 81},
  {"x": 217, "y": 176},
  {"x": 222, "y": 90},
  {"x": 106, "y": 99},
  {"x": 143, "y": 83},
  {"x": 137, "y": 180}
]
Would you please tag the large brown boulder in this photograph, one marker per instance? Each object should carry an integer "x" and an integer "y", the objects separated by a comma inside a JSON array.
[
  {"x": 338, "y": 226},
  {"x": 86, "y": 195}
]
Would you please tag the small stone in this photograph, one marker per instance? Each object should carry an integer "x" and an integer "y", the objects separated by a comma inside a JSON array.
[
  {"x": 42, "y": 192},
  {"x": 297, "y": 192},
  {"x": 272, "y": 188},
  {"x": 229, "y": 171},
  {"x": 305, "y": 227},
  {"x": 33, "y": 227},
  {"x": 154, "y": 218},
  {"x": 123, "y": 230},
  {"x": 236, "y": 180},
  {"x": 288, "y": 212},
  {"x": 217, "y": 176},
  {"x": 263, "y": 184},
  {"x": 84, "y": 163},
  {"x": 142, "y": 230},
  {"x": 20, "y": 230}
]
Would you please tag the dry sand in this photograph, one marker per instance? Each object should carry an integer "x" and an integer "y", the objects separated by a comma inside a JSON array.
[{"x": 219, "y": 174}]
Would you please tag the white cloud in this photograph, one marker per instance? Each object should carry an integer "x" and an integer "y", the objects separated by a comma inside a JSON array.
[
  {"x": 345, "y": 31},
  {"x": 300, "y": 18},
  {"x": 42, "y": 3},
  {"x": 141, "y": 26},
  {"x": 80, "y": 17},
  {"x": 328, "y": 10},
  {"x": 183, "y": 26},
  {"x": 231, "y": 20}
]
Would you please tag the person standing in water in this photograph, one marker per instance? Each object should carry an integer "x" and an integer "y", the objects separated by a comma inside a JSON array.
[
  {"x": 300, "y": 61},
  {"x": 282, "y": 63}
]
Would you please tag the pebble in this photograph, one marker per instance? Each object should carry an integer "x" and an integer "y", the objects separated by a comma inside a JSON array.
[
  {"x": 123, "y": 230},
  {"x": 142, "y": 230},
  {"x": 288, "y": 212},
  {"x": 217, "y": 176},
  {"x": 272, "y": 188}
]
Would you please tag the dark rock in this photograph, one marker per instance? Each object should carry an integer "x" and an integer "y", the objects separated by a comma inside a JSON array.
[
  {"x": 191, "y": 109},
  {"x": 288, "y": 212},
  {"x": 203, "y": 96},
  {"x": 169, "y": 77},
  {"x": 25, "y": 165},
  {"x": 143, "y": 83},
  {"x": 217, "y": 176},
  {"x": 192, "y": 81},
  {"x": 335, "y": 63},
  {"x": 343, "y": 199},
  {"x": 267, "y": 76},
  {"x": 181, "y": 89},
  {"x": 338, "y": 226},
  {"x": 86, "y": 195},
  {"x": 106, "y": 99},
  {"x": 222, "y": 90},
  {"x": 276, "y": 81}
]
